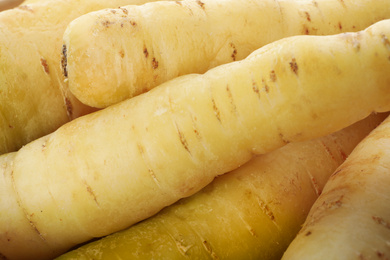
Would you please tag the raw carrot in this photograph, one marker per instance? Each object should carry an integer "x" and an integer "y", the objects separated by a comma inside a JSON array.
[
  {"x": 127, "y": 162},
  {"x": 351, "y": 218},
  {"x": 252, "y": 212},
  {"x": 115, "y": 54},
  {"x": 31, "y": 82}
]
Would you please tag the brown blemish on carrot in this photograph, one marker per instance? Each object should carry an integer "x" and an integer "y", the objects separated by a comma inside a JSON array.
[
  {"x": 145, "y": 51},
  {"x": 113, "y": 11},
  {"x": 305, "y": 30},
  {"x": 200, "y": 3},
  {"x": 234, "y": 53},
  {"x": 255, "y": 88},
  {"x": 294, "y": 66},
  {"x": 178, "y": 2},
  {"x": 385, "y": 41},
  {"x": 328, "y": 151},
  {"x": 183, "y": 140},
  {"x": 133, "y": 23},
  {"x": 266, "y": 210},
  {"x": 107, "y": 23},
  {"x": 316, "y": 187},
  {"x": 90, "y": 192},
  {"x": 381, "y": 221},
  {"x": 381, "y": 255},
  {"x": 334, "y": 204},
  {"x": 64, "y": 61},
  {"x": 216, "y": 110},
  {"x": 308, "y": 233},
  {"x": 154, "y": 63},
  {"x": 69, "y": 107},
  {"x": 11, "y": 126},
  {"x": 340, "y": 26},
  {"x": 124, "y": 10},
  {"x": 209, "y": 249},
  {"x": 45, "y": 66},
  {"x": 283, "y": 138},
  {"x": 122, "y": 53},
  {"x": 308, "y": 18},
  {"x": 265, "y": 85},
  {"x": 272, "y": 76},
  {"x": 230, "y": 95}
]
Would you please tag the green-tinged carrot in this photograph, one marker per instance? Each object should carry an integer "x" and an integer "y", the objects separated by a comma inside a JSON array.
[
  {"x": 252, "y": 212},
  {"x": 105, "y": 171},
  {"x": 31, "y": 80},
  {"x": 119, "y": 53},
  {"x": 351, "y": 218}
]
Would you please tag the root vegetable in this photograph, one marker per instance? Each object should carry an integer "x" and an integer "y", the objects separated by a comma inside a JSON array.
[
  {"x": 116, "y": 54},
  {"x": 31, "y": 81},
  {"x": 105, "y": 171},
  {"x": 252, "y": 212},
  {"x": 351, "y": 218}
]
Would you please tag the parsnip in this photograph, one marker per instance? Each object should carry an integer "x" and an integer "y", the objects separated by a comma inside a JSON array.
[
  {"x": 119, "y": 53},
  {"x": 252, "y": 212},
  {"x": 31, "y": 99},
  {"x": 351, "y": 219},
  {"x": 105, "y": 171}
]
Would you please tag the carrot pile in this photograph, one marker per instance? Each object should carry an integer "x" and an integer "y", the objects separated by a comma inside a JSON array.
[{"x": 194, "y": 129}]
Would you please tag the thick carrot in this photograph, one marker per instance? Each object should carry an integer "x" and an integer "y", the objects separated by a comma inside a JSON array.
[
  {"x": 119, "y": 53},
  {"x": 351, "y": 218},
  {"x": 130, "y": 160},
  {"x": 31, "y": 80},
  {"x": 252, "y": 212}
]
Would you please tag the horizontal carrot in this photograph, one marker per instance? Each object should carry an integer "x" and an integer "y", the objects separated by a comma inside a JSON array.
[
  {"x": 351, "y": 218},
  {"x": 127, "y": 162},
  {"x": 31, "y": 82},
  {"x": 252, "y": 212},
  {"x": 116, "y": 54}
]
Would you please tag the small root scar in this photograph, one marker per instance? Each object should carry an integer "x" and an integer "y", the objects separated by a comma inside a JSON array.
[
  {"x": 234, "y": 53},
  {"x": 183, "y": 140},
  {"x": 381, "y": 221},
  {"x": 200, "y": 3},
  {"x": 154, "y": 63},
  {"x": 294, "y": 66},
  {"x": 385, "y": 41},
  {"x": 90, "y": 192},
  {"x": 45, "y": 65},
  {"x": 64, "y": 61}
]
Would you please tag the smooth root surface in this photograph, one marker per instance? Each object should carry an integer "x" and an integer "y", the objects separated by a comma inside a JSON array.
[
  {"x": 127, "y": 162},
  {"x": 31, "y": 100},
  {"x": 252, "y": 212},
  {"x": 351, "y": 219},
  {"x": 116, "y": 54}
]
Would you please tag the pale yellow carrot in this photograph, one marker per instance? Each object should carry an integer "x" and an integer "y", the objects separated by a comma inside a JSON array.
[
  {"x": 106, "y": 171},
  {"x": 252, "y": 212},
  {"x": 31, "y": 82},
  {"x": 116, "y": 54},
  {"x": 351, "y": 218}
]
